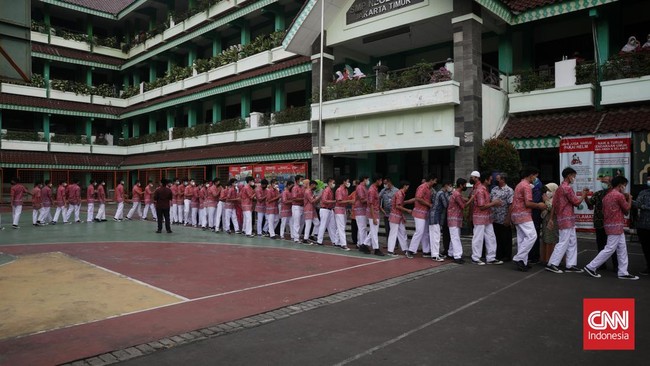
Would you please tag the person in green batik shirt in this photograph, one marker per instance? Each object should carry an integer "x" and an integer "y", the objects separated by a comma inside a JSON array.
[{"x": 596, "y": 203}]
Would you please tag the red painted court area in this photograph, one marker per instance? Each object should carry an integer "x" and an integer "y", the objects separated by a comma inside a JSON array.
[{"x": 221, "y": 283}]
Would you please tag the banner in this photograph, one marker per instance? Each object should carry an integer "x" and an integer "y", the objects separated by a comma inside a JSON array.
[
  {"x": 281, "y": 171},
  {"x": 593, "y": 158}
]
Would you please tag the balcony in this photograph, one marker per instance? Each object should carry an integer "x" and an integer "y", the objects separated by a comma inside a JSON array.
[
  {"x": 556, "y": 98},
  {"x": 626, "y": 78}
]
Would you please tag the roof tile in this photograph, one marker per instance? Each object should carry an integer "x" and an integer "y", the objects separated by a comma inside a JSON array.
[
  {"x": 75, "y": 54},
  {"x": 107, "y": 6},
  {"x": 519, "y": 6}
]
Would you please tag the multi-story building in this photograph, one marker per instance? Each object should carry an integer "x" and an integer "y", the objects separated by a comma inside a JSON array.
[{"x": 150, "y": 89}]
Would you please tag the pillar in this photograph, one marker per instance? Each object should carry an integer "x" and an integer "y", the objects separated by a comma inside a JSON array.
[
  {"x": 125, "y": 129},
  {"x": 152, "y": 71},
  {"x": 89, "y": 129},
  {"x": 152, "y": 123},
  {"x": 191, "y": 115},
  {"x": 125, "y": 80},
  {"x": 279, "y": 21},
  {"x": 505, "y": 53},
  {"x": 217, "y": 46},
  {"x": 46, "y": 127},
  {"x": 170, "y": 64},
  {"x": 326, "y": 161},
  {"x": 170, "y": 119},
  {"x": 136, "y": 128},
  {"x": 467, "y": 32},
  {"x": 602, "y": 35},
  {"x": 89, "y": 76},
  {"x": 89, "y": 26},
  {"x": 46, "y": 76},
  {"x": 245, "y": 37},
  {"x": 279, "y": 97},
  {"x": 136, "y": 77},
  {"x": 245, "y": 103},
  {"x": 216, "y": 110},
  {"x": 527, "y": 61},
  {"x": 191, "y": 56}
]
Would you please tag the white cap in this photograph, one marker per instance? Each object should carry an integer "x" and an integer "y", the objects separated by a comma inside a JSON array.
[{"x": 475, "y": 174}]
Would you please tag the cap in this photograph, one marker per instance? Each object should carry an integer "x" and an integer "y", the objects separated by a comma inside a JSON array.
[{"x": 475, "y": 174}]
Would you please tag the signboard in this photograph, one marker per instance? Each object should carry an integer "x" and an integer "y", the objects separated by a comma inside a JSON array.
[
  {"x": 281, "y": 171},
  {"x": 365, "y": 9},
  {"x": 595, "y": 157}
]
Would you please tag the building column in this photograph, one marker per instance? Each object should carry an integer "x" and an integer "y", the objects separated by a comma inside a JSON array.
[
  {"x": 467, "y": 32},
  {"x": 279, "y": 97},
  {"x": 47, "y": 20},
  {"x": 216, "y": 110},
  {"x": 217, "y": 46},
  {"x": 171, "y": 119},
  {"x": 327, "y": 161},
  {"x": 89, "y": 129},
  {"x": 279, "y": 21},
  {"x": 191, "y": 56},
  {"x": 191, "y": 115},
  {"x": 46, "y": 127},
  {"x": 125, "y": 130},
  {"x": 602, "y": 34},
  {"x": 125, "y": 80},
  {"x": 46, "y": 76},
  {"x": 245, "y": 36},
  {"x": 505, "y": 53},
  {"x": 136, "y": 127},
  {"x": 136, "y": 77},
  {"x": 527, "y": 60},
  {"x": 152, "y": 123},
  {"x": 152, "y": 71},
  {"x": 245, "y": 103},
  {"x": 89, "y": 75}
]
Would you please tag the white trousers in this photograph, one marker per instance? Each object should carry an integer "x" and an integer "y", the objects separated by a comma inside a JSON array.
[
  {"x": 35, "y": 214},
  {"x": 420, "y": 228},
  {"x": 397, "y": 233},
  {"x": 248, "y": 222},
  {"x": 455, "y": 247},
  {"x": 90, "y": 217},
  {"x": 615, "y": 243},
  {"x": 194, "y": 212},
  {"x": 180, "y": 213},
  {"x": 187, "y": 211},
  {"x": 434, "y": 240},
  {"x": 119, "y": 212},
  {"x": 362, "y": 229},
  {"x": 327, "y": 222},
  {"x": 526, "y": 236},
  {"x": 341, "y": 221},
  {"x": 285, "y": 222},
  {"x": 297, "y": 223},
  {"x": 308, "y": 224},
  {"x": 72, "y": 208},
  {"x": 220, "y": 216},
  {"x": 15, "y": 214},
  {"x": 484, "y": 232},
  {"x": 59, "y": 211},
  {"x": 45, "y": 215},
  {"x": 259, "y": 222},
  {"x": 173, "y": 217},
  {"x": 203, "y": 217},
  {"x": 147, "y": 207},
  {"x": 373, "y": 235},
  {"x": 135, "y": 208},
  {"x": 271, "y": 219},
  {"x": 101, "y": 212},
  {"x": 568, "y": 244},
  {"x": 210, "y": 212},
  {"x": 231, "y": 216}
]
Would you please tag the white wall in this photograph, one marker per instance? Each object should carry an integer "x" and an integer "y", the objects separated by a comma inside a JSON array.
[{"x": 495, "y": 109}]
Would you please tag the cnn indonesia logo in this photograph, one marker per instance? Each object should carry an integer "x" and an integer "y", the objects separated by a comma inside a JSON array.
[{"x": 608, "y": 324}]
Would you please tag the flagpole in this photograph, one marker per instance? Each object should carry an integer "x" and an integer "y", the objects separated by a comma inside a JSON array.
[{"x": 320, "y": 92}]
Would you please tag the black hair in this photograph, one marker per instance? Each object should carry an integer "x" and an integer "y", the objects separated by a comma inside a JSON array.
[
  {"x": 341, "y": 180},
  {"x": 568, "y": 171},
  {"x": 47, "y": 181},
  {"x": 249, "y": 179},
  {"x": 485, "y": 176},
  {"x": 232, "y": 181},
  {"x": 298, "y": 177},
  {"x": 528, "y": 171},
  {"x": 403, "y": 183},
  {"x": 461, "y": 182},
  {"x": 288, "y": 183},
  {"x": 330, "y": 179},
  {"x": 619, "y": 180},
  {"x": 377, "y": 177},
  {"x": 431, "y": 177},
  {"x": 264, "y": 182}
]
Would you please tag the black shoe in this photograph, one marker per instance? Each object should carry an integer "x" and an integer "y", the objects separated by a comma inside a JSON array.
[
  {"x": 408, "y": 254},
  {"x": 158, "y": 231},
  {"x": 169, "y": 231},
  {"x": 459, "y": 261},
  {"x": 521, "y": 266},
  {"x": 645, "y": 272},
  {"x": 364, "y": 249},
  {"x": 378, "y": 253}
]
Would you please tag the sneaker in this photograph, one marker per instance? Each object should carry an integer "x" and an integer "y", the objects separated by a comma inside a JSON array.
[
  {"x": 379, "y": 253},
  {"x": 68, "y": 223},
  {"x": 521, "y": 266},
  {"x": 53, "y": 223},
  {"x": 459, "y": 261},
  {"x": 478, "y": 262},
  {"x": 158, "y": 231},
  {"x": 628, "y": 277},
  {"x": 645, "y": 272},
  {"x": 364, "y": 249},
  {"x": 169, "y": 231},
  {"x": 345, "y": 248},
  {"x": 553, "y": 268},
  {"x": 391, "y": 254},
  {"x": 2, "y": 228},
  {"x": 15, "y": 227},
  {"x": 114, "y": 219},
  {"x": 408, "y": 254},
  {"x": 495, "y": 261},
  {"x": 573, "y": 269},
  {"x": 591, "y": 273},
  {"x": 426, "y": 255},
  {"x": 250, "y": 236},
  {"x": 36, "y": 225},
  {"x": 127, "y": 218},
  {"x": 437, "y": 259}
]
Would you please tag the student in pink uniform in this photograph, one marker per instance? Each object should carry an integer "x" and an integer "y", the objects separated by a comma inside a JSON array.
[
  {"x": 90, "y": 201},
  {"x": 455, "y": 219},
  {"x": 194, "y": 203},
  {"x": 173, "y": 213},
  {"x": 60, "y": 201},
  {"x": 297, "y": 209},
  {"x": 360, "y": 206},
  {"x": 340, "y": 208},
  {"x": 420, "y": 216},
  {"x": 101, "y": 198},
  {"x": 119, "y": 198},
  {"x": 136, "y": 199},
  {"x": 482, "y": 219},
  {"x": 616, "y": 204},
  {"x": 327, "y": 219},
  {"x": 397, "y": 221},
  {"x": 310, "y": 211},
  {"x": 73, "y": 193},
  {"x": 521, "y": 216},
  {"x": 564, "y": 201},
  {"x": 211, "y": 199},
  {"x": 18, "y": 191},
  {"x": 45, "y": 216},
  {"x": 220, "y": 215},
  {"x": 373, "y": 213},
  {"x": 272, "y": 208},
  {"x": 260, "y": 207},
  {"x": 185, "y": 200},
  {"x": 203, "y": 211},
  {"x": 247, "y": 197},
  {"x": 148, "y": 201},
  {"x": 231, "y": 214},
  {"x": 37, "y": 202},
  {"x": 285, "y": 210}
]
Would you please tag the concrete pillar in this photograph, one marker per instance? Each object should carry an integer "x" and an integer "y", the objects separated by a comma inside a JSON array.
[
  {"x": 505, "y": 53},
  {"x": 191, "y": 115},
  {"x": 89, "y": 76},
  {"x": 89, "y": 129},
  {"x": 245, "y": 37},
  {"x": 136, "y": 127},
  {"x": 466, "y": 28},
  {"x": 217, "y": 46},
  {"x": 279, "y": 97},
  {"x": 602, "y": 34},
  {"x": 46, "y": 76},
  {"x": 152, "y": 123},
  {"x": 279, "y": 21},
  {"x": 327, "y": 162},
  {"x": 171, "y": 119},
  {"x": 191, "y": 56},
  {"x": 46, "y": 127},
  {"x": 125, "y": 80},
  {"x": 136, "y": 77},
  {"x": 152, "y": 71},
  {"x": 125, "y": 129},
  {"x": 245, "y": 103},
  {"x": 216, "y": 109}
]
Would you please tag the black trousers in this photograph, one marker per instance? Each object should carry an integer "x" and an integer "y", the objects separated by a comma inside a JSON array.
[
  {"x": 163, "y": 213},
  {"x": 601, "y": 241},
  {"x": 355, "y": 230},
  {"x": 644, "y": 238},
  {"x": 446, "y": 238},
  {"x": 386, "y": 226},
  {"x": 504, "y": 241}
]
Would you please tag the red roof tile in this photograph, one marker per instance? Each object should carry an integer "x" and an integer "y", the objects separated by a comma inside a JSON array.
[
  {"x": 519, "y": 6},
  {"x": 297, "y": 143},
  {"x": 46, "y": 158},
  {"x": 75, "y": 54},
  {"x": 107, "y": 6},
  {"x": 584, "y": 122},
  {"x": 12, "y": 99}
]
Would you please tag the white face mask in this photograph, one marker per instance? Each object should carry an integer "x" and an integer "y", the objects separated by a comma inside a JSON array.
[
  {"x": 572, "y": 180},
  {"x": 385, "y": 186},
  {"x": 604, "y": 185},
  {"x": 648, "y": 183},
  {"x": 276, "y": 186},
  {"x": 347, "y": 185},
  {"x": 549, "y": 195},
  {"x": 252, "y": 183},
  {"x": 334, "y": 185},
  {"x": 300, "y": 184}
]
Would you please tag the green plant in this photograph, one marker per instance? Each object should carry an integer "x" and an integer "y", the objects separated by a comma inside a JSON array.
[
  {"x": 586, "y": 73},
  {"x": 202, "y": 65},
  {"x": 440, "y": 75},
  {"x": 111, "y": 42},
  {"x": 348, "y": 88},
  {"x": 130, "y": 91},
  {"x": 293, "y": 114},
  {"x": 101, "y": 140},
  {"x": 38, "y": 81},
  {"x": 105, "y": 90},
  {"x": 69, "y": 139},
  {"x": 627, "y": 65},
  {"x": 530, "y": 80},
  {"x": 276, "y": 38},
  {"x": 499, "y": 155},
  {"x": 21, "y": 136}
]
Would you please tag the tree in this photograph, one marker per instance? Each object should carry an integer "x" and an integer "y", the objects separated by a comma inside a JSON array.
[{"x": 499, "y": 155}]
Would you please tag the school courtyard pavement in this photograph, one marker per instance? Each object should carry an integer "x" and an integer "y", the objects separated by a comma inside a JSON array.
[{"x": 103, "y": 293}]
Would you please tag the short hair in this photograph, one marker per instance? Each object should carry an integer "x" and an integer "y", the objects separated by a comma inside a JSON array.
[
  {"x": 619, "y": 180},
  {"x": 404, "y": 183},
  {"x": 150, "y": 180},
  {"x": 264, "y": 182},
  {"x": 289, "y": 183},
  {"x": 387, "y": 179},
  {"x": 61, "y": 181},
  {"x": 164, "y": 181},
  {"x": 528, "y": 171},
  {"x": 232, "y": 181},
  {"x": 330, "y": 179},
  {"x": 298, "y": 177},
  {"x": 568, "y": 171},
  {"x": 342, "y": 179},
  {"x": 363, "y": 177},
  {"x": 137, "y": 181},
  {"x": 249, "y": 178},
  {"x": 47, "y": 181},
  {"x": 274, "y": 180},
  {"x": 485, "y": 176},
  {"x": 431, "y": 177},
  {"x": 92, "y": 181},
  {"x": 447, "y": 183},
  {"x": 313, "y": 182},
  {"x": 461, "y": 182},
  {"x": 377, "y": 177},
  {"x": 37, "y": 182}
]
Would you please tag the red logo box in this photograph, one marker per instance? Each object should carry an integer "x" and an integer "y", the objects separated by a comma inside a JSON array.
[{"x": 608, "y": 324}]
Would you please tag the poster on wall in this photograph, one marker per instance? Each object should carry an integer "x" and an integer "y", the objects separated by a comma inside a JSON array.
[
  {"x": 594, "y": 158},
  {"x": 281, "y": 171}
]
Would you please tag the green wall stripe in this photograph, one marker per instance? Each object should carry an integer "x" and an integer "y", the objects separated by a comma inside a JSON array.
[
  {"x": 75, "y": 61},
  {"x": 536, "y": 143},
  {"x": 499, "y": 9},
  {"x": 59, "y": 166}
]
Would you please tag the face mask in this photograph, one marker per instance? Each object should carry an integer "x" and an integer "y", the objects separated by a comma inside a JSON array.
[
  {"x": 193, "y": 184},
  {"x": 184, "y": 183},
  {"x": 385, "y": 186},
  {"x": 367, "y": 183},
  {"x": 177, "y": 182},
  {"x": 604, "y": 185},
  {"x": 207, "y": 185},
  {"x": 572, "y": 180},
  {"x": 347, "y": 185},
  {"x": 532, "y": 185},
  {"x": 334, "y": 185},
  {"x": 549, "y": 195},
  {"x": 300, "y": 184},
  {"x": 450, "y": 189},
  {"x": 252, "y": 184},
  {"x": 276, "y": 186},
  {"x": 464, "y": 189}
]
